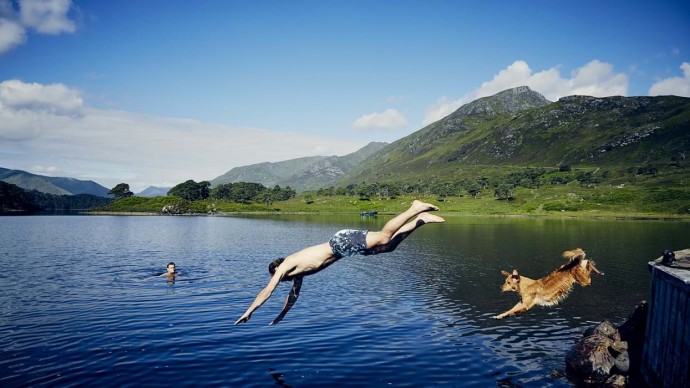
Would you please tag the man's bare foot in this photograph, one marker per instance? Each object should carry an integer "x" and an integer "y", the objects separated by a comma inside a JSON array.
[
  {"x": 423, "y": 206},
  {"x": 430, "y": 218}
]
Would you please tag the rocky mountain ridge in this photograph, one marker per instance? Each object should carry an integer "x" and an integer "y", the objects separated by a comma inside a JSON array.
[
  {"x": 519, "y": 127},
  {"x": 301, "y": 174}
]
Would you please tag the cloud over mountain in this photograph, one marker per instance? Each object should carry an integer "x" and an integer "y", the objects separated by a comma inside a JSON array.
[
  {"x": 52, "y": 127},
  {"x": 679, "y": 86},
  {"x": 388, "y": 119},
  {"x": 596, "y": 79}
]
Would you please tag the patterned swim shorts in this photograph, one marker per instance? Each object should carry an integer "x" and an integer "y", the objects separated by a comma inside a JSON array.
[{"x": 348, "y": 242}]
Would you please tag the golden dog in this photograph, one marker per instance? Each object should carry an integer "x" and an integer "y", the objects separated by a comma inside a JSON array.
[{"x": 552, "y": 288}]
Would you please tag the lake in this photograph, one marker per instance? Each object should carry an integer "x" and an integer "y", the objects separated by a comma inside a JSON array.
[{"x": 80, "y": 305}]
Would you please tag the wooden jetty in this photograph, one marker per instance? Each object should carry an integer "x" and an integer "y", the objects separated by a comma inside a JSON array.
[{"x": 666, "y": 350}]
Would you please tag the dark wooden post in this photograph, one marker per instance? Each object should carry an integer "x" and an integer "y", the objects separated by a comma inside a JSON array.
[{"x": 666, "y": 350}]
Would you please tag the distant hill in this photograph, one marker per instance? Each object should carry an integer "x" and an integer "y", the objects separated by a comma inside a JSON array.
[
  {"x": 15, "y": 200},
  {"x": 52, "y": 185},
  {"x": 519, "y": 127},
  {"x": 153, "y": 191},
  {"x": 302, "y": 174}
]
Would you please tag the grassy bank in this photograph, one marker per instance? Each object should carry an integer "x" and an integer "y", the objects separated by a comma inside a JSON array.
[
  {"x": 565, "y": 200},
  {"x": 551, "y": 201}
]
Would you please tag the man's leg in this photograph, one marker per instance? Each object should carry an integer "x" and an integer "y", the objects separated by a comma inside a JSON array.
[
  {"x": 398, "y": 221},
  {"x": 399, "y": 224},
  {"x": 405, "y": 231}
]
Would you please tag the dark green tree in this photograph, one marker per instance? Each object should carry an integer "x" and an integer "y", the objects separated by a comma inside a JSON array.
[
  {"x": 14, "y": 198},
  {"x": 265, "y": 197},
  {"x": 245, "y": 192},
  {"x": 121, "y": 190},
  {"x": 474, "y": 188},
  {"x": 222, "y": 191},
  {"x": 280, "y": 194},
  {"x": 587, "y": 179},
  {"x": 504, "y": 192},
  {"x": 191, "y": 190}
]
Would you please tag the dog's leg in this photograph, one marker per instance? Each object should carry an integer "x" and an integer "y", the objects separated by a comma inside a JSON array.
[{"x": 517, "y": 309}]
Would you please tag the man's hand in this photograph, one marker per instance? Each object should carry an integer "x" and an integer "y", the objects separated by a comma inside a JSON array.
[{"x": 243, "y": 319}]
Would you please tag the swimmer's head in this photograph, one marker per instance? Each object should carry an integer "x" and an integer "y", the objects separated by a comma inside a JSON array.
[
  {"x": 272, "y": 268},
  {"x": 171, "y": 267}
]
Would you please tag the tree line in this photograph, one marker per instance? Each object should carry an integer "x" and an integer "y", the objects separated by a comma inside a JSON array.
[
  {"x": 240, "y": 192},
  {"x": 13, "y": 198},
  {"x": 500, "y": 186}
]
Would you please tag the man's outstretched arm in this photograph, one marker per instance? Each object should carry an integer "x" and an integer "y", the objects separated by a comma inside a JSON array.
[
  {"x": 290, "y": 301},
  {"x": 264, "y": 294}
]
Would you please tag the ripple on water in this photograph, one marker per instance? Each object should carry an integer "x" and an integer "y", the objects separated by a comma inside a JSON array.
[{"x": 418, "y": 316}]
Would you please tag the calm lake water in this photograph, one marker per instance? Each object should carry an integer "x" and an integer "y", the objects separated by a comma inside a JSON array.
[{"x": 80, "y": 306}]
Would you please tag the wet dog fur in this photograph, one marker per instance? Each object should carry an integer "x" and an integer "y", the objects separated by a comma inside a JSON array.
[{"x": 552, "y": 288}]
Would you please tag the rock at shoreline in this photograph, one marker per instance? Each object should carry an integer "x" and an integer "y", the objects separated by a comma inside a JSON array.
[
  {"x": 606, "y": 354},
  {"x": 590, "y": 359},
  {"x": 170, "y": 209}
]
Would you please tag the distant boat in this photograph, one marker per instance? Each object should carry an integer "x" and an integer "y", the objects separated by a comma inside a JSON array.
[{"x": 369, "y": 213}]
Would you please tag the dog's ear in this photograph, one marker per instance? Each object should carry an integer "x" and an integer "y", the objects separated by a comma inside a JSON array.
[
  {"x": 516, "y": 276},
  {"x": 505, "y": 273}
]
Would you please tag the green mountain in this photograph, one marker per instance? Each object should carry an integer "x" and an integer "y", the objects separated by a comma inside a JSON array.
[
  {"x": 52, "y": 185},
  {"x": 302, "y": 174},
  {"x": 519, "y": 128}
]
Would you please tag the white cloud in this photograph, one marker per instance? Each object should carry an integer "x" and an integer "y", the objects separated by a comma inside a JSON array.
[
  {"x": 679, "y": 86},
  {"x": 389, "y": 119},
  {"x": 111, "y": 147},
  {"x": 54, "y": 98},
  {"x": 440, "y": 109},
  {"x": 43, "y": 16},
  {"x": 11, "y": 34},
  {"x": 596, "y": 79},
  {"x": 45, "y": 170},
  {"x": 46, "y": 16}
]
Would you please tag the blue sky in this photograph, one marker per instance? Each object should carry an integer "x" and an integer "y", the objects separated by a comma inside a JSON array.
[{"x": 158, "y": 92}]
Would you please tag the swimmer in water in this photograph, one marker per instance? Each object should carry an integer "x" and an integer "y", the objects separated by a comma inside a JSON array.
[
  {"x": 344, "y": 243},
  {"x": 170, "y": 272}
]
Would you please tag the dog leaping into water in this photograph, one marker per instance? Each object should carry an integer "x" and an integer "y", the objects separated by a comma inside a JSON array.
[{"x": 552, "y": 288}]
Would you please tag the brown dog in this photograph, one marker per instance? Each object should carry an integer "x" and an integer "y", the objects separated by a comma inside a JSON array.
[{"x": 552, "y": 288}]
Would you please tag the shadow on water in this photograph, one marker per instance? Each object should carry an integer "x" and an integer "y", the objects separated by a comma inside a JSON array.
[{"x": 418, "y": 316}]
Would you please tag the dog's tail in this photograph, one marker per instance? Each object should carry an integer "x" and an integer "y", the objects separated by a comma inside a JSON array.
[{"x": 574, "y": 257}]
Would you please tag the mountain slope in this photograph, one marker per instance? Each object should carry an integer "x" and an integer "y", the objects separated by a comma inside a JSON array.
[
  {"x": 518, "y": 127},
  {"x": 52, "y": 185},
  {"x": 153, "y": 191},
  {"x": 301, "y": 174}
]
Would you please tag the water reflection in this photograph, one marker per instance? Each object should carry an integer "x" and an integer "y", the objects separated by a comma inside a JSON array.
[{"x": 418, "y": 316}]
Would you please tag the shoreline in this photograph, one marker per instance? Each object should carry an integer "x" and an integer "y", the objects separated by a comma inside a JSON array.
[{"x": 633, "y": 217}]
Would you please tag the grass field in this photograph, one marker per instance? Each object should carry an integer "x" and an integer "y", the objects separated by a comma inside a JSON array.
[{"x": 566, "y": 200}]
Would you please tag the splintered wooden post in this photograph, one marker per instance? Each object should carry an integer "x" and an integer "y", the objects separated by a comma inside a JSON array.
[{"x": 666, "y": 351}]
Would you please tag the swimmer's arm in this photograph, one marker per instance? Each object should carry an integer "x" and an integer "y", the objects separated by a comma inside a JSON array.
[
  {"x": 291, "y": 299},
  {"x": 265, "y": 293}
]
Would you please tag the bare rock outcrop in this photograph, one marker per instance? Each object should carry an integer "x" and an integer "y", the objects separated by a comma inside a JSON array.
[{"x": 607, "y": 354}]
